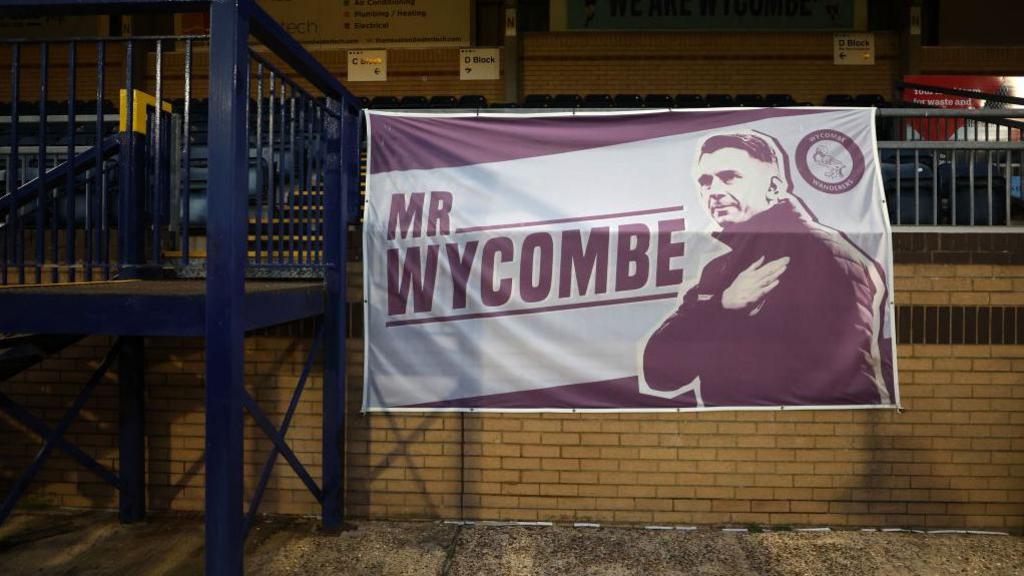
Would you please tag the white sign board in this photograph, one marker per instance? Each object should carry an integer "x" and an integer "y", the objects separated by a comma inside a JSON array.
[
  {"x": 853, "y": 49},
  {"x": 479, "y": 64},
  {"x": 367, "y": 65}
]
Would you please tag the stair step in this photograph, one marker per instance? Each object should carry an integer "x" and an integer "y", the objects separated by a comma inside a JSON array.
[
  {"x": 272, "y": 257},
  {"x": 254, "y": 221},
  {"x": 285, "y": 239}
]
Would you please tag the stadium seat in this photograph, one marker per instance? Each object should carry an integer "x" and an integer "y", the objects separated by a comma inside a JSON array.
[
  {"x": 383, "y": 102},
  {"x": 719, "y": 100},
  {"x": 750, "y": 100},
  {"x": 472, "y": 101},
  {"x": 504, "y": 105},
  {"x": 838, "y": 100},
  {"x": 690, "y": 101},
  {"x": 566, "y": 101},
  {"x": 537, "y": 101},
  {"x": 443, "y": 102},
  {"x": 597, "y": 101},
  {"x": 965, "y": 192},
  {"x": 779, "y": 100},
  {"x": 414, "y": 102},
  {"x": 659, "y": 101},
  {"x": 628, "y": 101},
  {"x": 869, "y": 100},
  {"x": 904, "y": 177}
]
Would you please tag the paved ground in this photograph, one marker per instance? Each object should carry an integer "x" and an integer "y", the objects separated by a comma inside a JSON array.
[{"x": 93, "y": 543}]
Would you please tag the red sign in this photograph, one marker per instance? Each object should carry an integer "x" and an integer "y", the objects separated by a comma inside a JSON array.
[{"x": 946, "y": 129}]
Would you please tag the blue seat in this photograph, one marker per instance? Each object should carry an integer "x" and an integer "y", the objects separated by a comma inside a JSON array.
[
  {"x": 839, "y": 100},
  {"x": 383, "y": 102},
  {"x": 690, "y": 101},
  {"x": 414, "y": 102},
  {"x": 472, "y": 101},
  {"x": 869, "y": 100},
  {"x": 750, "y": 100},
  {"x": 718, "y": 101},
  {"x": 779, "y": 100},
  {"x": 443, "y": 102},
  {"x": 537, "y": 101},
  {"x": 659, "y": 101},
  {"x": 914, "y": 205},
  {"x": 964, "y": 192},
  {"x": 597, "y": 101},
  {"x": 628, "y": 101},
  {"x": 566, "y": 101}
]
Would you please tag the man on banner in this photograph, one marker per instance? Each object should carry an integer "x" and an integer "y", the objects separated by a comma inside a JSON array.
[{"x": 791, "y": 315}]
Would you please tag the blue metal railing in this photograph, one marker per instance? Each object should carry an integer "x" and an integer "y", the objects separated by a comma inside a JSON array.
[
  {"x": 153, "y": 192},
  {"x": 263, "y": 168}
]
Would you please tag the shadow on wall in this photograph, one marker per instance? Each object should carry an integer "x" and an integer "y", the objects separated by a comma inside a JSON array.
[{"x": 47, "y": 390}]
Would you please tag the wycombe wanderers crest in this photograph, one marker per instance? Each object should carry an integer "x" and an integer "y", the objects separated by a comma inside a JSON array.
[{"x": 830, "y": 161}]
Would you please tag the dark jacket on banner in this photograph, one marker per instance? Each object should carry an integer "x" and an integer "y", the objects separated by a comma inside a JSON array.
[{"x": 812, "y": 340}]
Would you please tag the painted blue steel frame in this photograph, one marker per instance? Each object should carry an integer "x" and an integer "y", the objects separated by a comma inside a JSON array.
[
  {"x": 225, "y": 285},
  {"x": 230, "y": 24},
  {"x": 226, "y": 320}
]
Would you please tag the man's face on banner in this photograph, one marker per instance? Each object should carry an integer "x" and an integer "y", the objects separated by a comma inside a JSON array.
[{"x": 735, "y": 186}]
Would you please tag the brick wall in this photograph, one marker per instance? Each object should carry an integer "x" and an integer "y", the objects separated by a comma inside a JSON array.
[
  {"x": 996, "y": 60},
  {"x": 953, "y": 458},
  {"x": 797, "y": 63},
  {"x": 423, "y": 72}
]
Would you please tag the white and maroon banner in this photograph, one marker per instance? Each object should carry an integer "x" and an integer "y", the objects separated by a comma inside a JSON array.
[{"x": 669, "y": 260}]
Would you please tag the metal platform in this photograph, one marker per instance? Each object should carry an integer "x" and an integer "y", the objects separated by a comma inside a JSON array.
[{"x": 148, "y": 307}]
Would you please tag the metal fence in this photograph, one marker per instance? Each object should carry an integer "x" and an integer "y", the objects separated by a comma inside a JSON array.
[
  {"x": 952, "y": 167},
  {"x": 89, "y": 191}
]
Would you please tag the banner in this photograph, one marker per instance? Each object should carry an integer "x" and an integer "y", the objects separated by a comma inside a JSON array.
[
  {"x": 710, "y": 14},
  {"x": 666, "y": 260}
]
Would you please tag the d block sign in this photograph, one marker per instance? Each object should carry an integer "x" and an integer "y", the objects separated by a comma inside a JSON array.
[
  {"x": 367, "y": 65},
  {"x": 853, "y": 49},
  {"x": 479, "y": 64}
]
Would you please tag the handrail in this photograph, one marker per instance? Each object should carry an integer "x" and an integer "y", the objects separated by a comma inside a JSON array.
[
  {"x": 274, "y": 37},
  {"x": 261, "y": 24},
  {"x": 81, "y": 162},
  {"x": 1007, "y": 113}
]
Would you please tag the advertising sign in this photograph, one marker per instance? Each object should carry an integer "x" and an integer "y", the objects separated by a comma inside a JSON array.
[
  {"x": 710, "y": 14},
  {"x": 361, "y": 23},
  {"x": 959, "y": 128},
  {"x": 667, "y": 260},
  {"x": 374, "y": 23}
]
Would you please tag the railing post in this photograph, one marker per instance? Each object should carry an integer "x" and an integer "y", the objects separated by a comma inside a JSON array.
[
  {"x": 336, "y": 186},
  {"x": 132, "y": 429},
  {"x": 225, "y": 283},
  {"x": 131, "y": 181}
]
